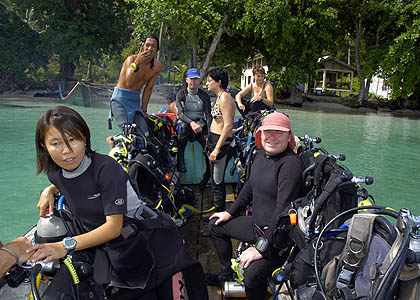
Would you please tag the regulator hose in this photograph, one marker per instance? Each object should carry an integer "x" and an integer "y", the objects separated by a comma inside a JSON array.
[
  {"x": 68, "y": 263},
  {"x": 60, "y": 212},
  {"x": 34, "y": 288}
]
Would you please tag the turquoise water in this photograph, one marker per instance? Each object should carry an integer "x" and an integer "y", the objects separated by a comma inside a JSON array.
[{"x": 377, "y": 145}]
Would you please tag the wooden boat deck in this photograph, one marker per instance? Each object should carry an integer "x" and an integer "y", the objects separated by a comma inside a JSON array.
[{"x": 202, "y": 248}]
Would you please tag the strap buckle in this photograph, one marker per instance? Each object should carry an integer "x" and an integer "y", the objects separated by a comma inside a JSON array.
[{"x": 344, "y": 278}]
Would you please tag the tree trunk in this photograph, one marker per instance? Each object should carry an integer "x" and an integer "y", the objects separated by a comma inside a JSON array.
[
  {"x": 169, "y": 68},
  {"x": 194, "y": 52},
  {"x": 67, "y": 70},
  {"x": 213, "y": 46},
  {"x": 194, "y": 56},
  {"x": 296, "y": 98},
  {"x": 359, "y": 31},
  {"x": 362, "y": 88},
  {"x": 89, "y": 72},
  {"x": 366, "y": 91},
  {"x": 160, "y": 53}
]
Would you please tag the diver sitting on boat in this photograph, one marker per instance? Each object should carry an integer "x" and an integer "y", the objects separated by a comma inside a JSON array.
[
  {"x": 193, "y": 106},
  {"x": 169, "y": 108},
  {"x": 275, "y": 181},
  {"x": 143, "y": 251},
  {"x": 262, "y": 96}
]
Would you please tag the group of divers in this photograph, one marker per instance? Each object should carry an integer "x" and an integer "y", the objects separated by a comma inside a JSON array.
[{"x": 108, "y": 229}]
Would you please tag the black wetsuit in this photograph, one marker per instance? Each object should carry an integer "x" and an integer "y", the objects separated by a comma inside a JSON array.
[
  {"x": 145, "y": 256},
  {"x": 218, "y": 169},
  {"x": 273, "y": 184}
]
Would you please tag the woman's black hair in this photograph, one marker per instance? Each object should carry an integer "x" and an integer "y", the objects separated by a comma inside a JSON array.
[
  {"x": 171, "y": 97},
  {"x": 152, "y": 36},
  {"x": 217, "y": 74},
  {"x": 65, "y": 120}
]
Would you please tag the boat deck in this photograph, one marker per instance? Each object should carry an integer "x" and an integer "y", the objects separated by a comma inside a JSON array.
[{"x": 202, "y": 248}]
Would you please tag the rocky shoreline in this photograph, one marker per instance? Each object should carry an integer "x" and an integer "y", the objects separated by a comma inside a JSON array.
[
  {"x": 101, "y": 93},
  {"x": 338, "y": 104}
]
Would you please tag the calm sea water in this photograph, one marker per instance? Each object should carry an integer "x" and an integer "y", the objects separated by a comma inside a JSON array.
[{"x": 377, "y": 145}]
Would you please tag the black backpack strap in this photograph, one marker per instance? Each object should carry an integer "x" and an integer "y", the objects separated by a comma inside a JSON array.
[
  {"x": 249, "y": 160},
  {"x": 335, "y": 179},
  {"x": 319, "y": 169}
]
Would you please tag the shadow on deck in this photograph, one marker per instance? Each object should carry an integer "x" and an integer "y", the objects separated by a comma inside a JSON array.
[{"x": 202, "y": 248}]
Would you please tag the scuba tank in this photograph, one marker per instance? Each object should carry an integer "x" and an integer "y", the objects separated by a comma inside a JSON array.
[
  {"x": 50, "y": 230},
  {"x": 234, "y": 289},
  {"x": 415, "y": 244},
  {"x": 23, "y": 279}
]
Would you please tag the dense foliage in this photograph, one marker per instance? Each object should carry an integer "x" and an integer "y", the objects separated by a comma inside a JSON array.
[
  {"x": 379, "y": 37},
  {"x": 20, "y": 52},
  {"x": 75, "y": 29}
]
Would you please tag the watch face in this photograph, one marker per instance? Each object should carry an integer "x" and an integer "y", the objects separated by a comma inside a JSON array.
[{"x": 69, "y": 243}]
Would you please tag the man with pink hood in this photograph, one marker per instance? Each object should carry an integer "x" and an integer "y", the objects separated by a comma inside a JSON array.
[{"x": 274, "y": 182}]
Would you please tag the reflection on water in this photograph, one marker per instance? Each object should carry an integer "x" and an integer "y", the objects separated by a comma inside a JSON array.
[{"x": 381, "y": 146}]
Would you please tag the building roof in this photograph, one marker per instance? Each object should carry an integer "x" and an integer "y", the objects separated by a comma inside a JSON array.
[{"x": 324, "y": 59}]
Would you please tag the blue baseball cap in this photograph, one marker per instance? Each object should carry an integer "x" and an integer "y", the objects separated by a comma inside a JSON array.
[{"x": 193, "y": 73}]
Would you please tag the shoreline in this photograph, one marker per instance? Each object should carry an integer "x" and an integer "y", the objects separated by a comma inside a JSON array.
[{"x": 322, "y": 104}]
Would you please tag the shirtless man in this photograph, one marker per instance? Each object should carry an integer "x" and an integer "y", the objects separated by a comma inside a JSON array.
[{"x": 138, "y": 71}]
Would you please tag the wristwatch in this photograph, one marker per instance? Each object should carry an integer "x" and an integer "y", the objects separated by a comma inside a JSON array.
[
  {"x": 70, "y": 244},
  {"x": 262, "y": 245}
]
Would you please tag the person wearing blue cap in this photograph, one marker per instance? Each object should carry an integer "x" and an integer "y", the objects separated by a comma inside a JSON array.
[{"x": 193, "y": 105}]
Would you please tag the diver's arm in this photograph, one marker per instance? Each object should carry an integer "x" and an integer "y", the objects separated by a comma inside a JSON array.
[
  {"x": 147, "y": 93},
  {"x": 110, "y": 230},
  {"x": 269, "y": 101},
  {"x": 46, "y": 201},
  {"x": 15, "y": 253},
  {"x": 238, "y": 97},
  {"x": 6, "y": 262}
]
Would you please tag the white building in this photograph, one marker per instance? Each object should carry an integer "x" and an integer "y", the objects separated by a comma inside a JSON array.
[{"x": 377, "y": 87}]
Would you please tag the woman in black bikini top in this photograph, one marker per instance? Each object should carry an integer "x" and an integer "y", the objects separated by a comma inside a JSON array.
[{"x": 220, "y": 133}]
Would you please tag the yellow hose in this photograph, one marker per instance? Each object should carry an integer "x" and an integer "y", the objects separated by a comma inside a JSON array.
[
  {"x": 38, "y": 283},
  {"x": 72, "y": 270},
  {"x": 183, "y": 206}
]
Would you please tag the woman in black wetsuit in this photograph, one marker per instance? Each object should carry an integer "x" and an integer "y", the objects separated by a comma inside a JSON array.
[
  {"x": 220, "y": 134},
  {"x": 142, "y": 253}
]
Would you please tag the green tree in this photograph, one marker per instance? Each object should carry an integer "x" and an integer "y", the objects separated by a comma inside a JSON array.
[
  {"x": 403, "y": 58},
  {"x": 292, "y": 35},
  {"x": 192, "y": 28},
  {"x": 371, "y": 26},
  {"x": 73, "y": 29},
  {"x": 17, "y": 58}
]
